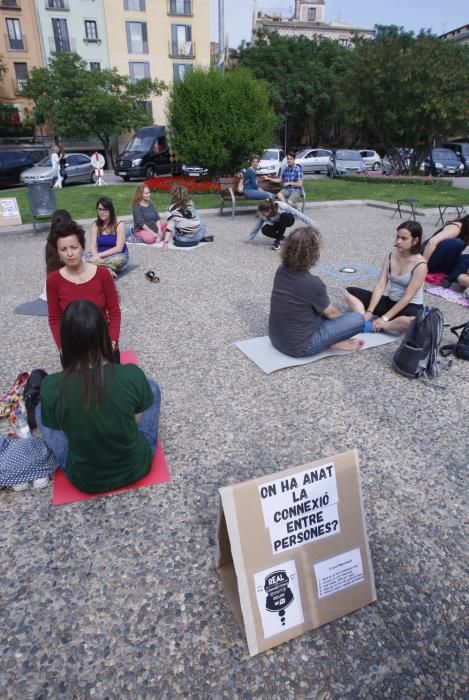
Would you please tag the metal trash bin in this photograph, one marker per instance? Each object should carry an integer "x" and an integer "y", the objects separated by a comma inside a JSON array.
[{"x": 41, "y": 200}]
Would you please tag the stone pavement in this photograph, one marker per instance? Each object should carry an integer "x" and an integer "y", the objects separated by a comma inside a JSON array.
[{"x": 118, "y": 597}]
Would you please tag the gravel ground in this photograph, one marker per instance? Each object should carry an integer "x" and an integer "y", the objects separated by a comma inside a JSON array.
[{"x": 118, "y": 597}]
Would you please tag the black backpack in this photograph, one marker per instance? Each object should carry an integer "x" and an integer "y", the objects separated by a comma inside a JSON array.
[
  {"x": 418, "y": 355},
  {"x": 461, "y": 348}
]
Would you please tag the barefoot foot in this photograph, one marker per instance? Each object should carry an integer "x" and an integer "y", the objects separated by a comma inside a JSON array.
[{"x": 351, "y": 344}]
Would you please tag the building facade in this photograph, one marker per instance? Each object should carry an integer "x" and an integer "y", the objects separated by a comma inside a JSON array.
[
  {"x": 459, "y": 35},
  {"x": 20, "y": 47},
  {"x": 160, "y": 39},
  {"x": 74, "y": 26},
  {"x": 308, "y": 20}
]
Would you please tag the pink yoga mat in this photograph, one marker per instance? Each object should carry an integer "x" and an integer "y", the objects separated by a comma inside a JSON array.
[{"x": 64, "y": 492}]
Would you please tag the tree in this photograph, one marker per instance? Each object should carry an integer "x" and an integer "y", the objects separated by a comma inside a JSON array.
[
  {"x": 78, "y": 102},
  {"x": 217, "y": 119},
  {"x": 304, "y": 78},
  {"x": 407, "y": 91}
]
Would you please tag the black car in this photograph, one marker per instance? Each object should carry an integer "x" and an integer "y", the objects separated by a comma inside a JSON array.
[
  {"x": 462, "y": 151},
  {"x": 442, "y": 161},
  {"x": 12, "y": 164}
]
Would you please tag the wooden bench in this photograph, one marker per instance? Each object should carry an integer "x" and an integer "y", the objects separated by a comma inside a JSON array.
[{"x": 229, "y": 192}]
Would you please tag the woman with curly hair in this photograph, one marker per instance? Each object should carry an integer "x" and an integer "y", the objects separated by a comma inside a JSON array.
[
  {"x": 302, "y": 319},
  {"x": 147, "y": 221},
  {"x": 108, "y": 247}
]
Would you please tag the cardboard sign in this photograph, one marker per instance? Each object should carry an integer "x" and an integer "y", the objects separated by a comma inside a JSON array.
[
  {"x": 293, "y": 550},
  {"x": 9, "y": 212}
]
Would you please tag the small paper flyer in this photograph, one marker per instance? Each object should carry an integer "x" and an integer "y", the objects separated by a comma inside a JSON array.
[
  {"x": 340, "y": 572},
  {"x": 278, "y": 598}
]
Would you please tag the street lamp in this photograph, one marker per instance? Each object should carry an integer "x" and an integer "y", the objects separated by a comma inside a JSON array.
[{"x": 286, "y": 115}]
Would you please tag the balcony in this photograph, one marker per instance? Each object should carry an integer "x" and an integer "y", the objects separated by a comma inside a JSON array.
[
  {"x": 179, "y": 7},
  {"x": 18, "y": 84},
  {"x": 16, "y": 44},
  {"x": 60, "y": 45},
  {"x": 92, "y": 40},
  {"x": 10, "y": 5},
  {"x": 181, "y": 49},
  {"x": 56, "y": 5}
]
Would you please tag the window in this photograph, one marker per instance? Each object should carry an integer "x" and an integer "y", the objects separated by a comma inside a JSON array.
[
  {"x": 57, "y": 5},
  {"x": 138, "y": 70},
  {"x": 344, "y": 42},
  {"x": 180, "y": 7},
  {"x": 15, "y": 38},
  {"x": 137, "y": 37},
  {"x": 9, "y": 3},
  {"x": 148, "y": 105},
  {"x": 21, "y": 74},
  {"x": 180, "y": 70},
  {"x": 135, "y": 5},
  {"x": 91, "y": 30},
  {"x": 61, "y": 39},
  {"x": 311, "y": 14},
  {"x": 181, "y": 38},
  {"x": 95, "y": 65}
]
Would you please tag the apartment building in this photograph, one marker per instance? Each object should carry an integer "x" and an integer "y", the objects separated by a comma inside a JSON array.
[
  {"x": 158, "y": 39},
  {"x": 308, "y": 20},
  {"x": 74, "y": 26},
  {"x": 20, "y": 48}
]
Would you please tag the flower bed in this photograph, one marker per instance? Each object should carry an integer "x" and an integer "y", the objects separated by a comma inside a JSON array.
[{"x": 197, "y": 185}]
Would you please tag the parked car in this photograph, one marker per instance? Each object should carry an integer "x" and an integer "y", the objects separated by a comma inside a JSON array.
[
  {"x": 12, "y": 164},
  {"x": 442, "y": 161},
  {"x": 313, "y": 160},
  {"x": 372, "y": 159},
  {"x": 462, "y": 150},
  {"x": 345, "y": 162},
  {"x": 270, "y": 162},
  {"x": 78, "y": 168}
]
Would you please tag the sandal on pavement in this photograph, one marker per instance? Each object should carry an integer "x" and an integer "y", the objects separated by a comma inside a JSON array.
[{"x": 151, "y": 277}]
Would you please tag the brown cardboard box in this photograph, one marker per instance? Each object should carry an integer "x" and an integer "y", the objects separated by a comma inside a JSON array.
[
  {"x": 9, "y": 212},
  {"x": 293, "y": 549}
]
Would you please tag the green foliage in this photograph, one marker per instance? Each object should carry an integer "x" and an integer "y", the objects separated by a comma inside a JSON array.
[
  {"x": 304, "y": 78},
  {"x": 78, "y": 102},
  {"x": 216, "y": 119},
  {"x": 409, "y": 91}
]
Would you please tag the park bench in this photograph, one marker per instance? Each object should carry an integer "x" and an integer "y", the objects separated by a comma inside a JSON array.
[{"x": 229, "y": 192}]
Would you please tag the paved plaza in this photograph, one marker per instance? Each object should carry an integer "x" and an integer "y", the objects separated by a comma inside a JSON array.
[{"x": 119, "y": 597}]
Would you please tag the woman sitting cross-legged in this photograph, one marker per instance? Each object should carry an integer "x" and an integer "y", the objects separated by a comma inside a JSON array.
[
  {"x": 274, "y": 218},
  {"x": 98, "y": 418},
  {"x": 183, "y": 224},
  {"x": 147, "y": 221},
  {"x": 302, "y": 320},
  {"x": 108, "y": 246},
  {"x": 404, "y": 270}
]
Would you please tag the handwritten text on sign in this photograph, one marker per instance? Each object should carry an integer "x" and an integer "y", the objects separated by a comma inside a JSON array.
[{"x": 300, "y": 508}]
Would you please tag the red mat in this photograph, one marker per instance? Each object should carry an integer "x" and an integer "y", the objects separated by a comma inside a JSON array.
[{"x": 64, "y": 492}]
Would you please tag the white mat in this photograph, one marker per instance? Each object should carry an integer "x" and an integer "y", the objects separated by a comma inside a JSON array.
[
  {"x": 264, "y": 355},
  {"x": 170, "y": 247}
]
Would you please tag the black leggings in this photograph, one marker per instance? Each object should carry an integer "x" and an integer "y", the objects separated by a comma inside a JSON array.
[
  {"x": 276, "y": 229},
  {"x": 384, "y": 304}
]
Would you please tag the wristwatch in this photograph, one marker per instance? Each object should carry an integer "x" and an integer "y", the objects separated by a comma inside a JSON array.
[{"x": 384, "y": 318}]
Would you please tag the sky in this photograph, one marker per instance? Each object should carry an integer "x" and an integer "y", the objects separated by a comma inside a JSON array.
[{"x": 438, "y": 15}]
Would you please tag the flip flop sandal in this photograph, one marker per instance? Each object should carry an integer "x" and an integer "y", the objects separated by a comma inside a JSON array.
[{"x": 151, "y": 277}]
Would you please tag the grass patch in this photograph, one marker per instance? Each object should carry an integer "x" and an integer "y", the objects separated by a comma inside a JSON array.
[{"x": 80, "y": 200}]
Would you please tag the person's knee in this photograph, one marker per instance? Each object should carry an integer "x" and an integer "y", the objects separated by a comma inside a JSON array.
[{"x": 156, "y": 391}]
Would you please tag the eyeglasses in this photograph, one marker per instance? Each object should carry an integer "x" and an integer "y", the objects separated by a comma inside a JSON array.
[{"x": 102, "y": 208}]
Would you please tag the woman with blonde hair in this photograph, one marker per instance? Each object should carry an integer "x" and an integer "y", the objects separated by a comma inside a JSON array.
[
  {"x": 147, "y": 221},
  {"x": 183, "y": 224}
]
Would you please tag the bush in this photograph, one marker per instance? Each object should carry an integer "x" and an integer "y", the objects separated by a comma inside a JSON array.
[
  {"x": 395, "y": 179},
  {"x": 217, "y": 119}
]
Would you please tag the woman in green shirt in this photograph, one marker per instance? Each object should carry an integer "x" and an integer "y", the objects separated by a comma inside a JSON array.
[{"x": 100, "y": 419}]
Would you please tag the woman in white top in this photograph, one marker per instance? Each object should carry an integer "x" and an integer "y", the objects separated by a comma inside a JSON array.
[{"x": 403, "y": 272}]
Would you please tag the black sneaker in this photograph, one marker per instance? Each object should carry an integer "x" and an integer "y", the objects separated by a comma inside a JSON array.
[{"x": 276, "y": 245}]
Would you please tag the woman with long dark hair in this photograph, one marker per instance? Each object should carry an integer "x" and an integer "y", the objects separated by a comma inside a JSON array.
[
  {"x": 443, "y": 250},
  {"x": 403, "y": 272},
  {"x": 274, "y": 217},
  {"x": 78, "y": 279},
  {"x": 108, "y": 246},
  {"x": 100, "y": 419},
  {"x": 302, "y": 319}
]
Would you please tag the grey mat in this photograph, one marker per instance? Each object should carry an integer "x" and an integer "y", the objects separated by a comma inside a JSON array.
[
  {"x": 264, "y": 355},
  {"x": 37, "y": 307}
]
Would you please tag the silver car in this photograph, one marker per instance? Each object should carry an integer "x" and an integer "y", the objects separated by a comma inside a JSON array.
[
  {"x": 78, "y": 168},
  {"x": 346, "y": 162},
  {"x": 313, "y": 160},
  {"x": 372, "y": 159}
]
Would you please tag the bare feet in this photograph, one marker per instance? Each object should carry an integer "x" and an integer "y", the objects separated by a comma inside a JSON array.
[
  {"x": 353, "y": 344},
  {"x": 165, "y": 246}
]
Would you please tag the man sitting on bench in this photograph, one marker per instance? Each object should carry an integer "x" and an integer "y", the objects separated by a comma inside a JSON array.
[{"x": 292, "y": 181}]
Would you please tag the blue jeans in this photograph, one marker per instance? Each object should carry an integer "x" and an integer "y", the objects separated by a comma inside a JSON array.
[
  {"x": 333, "y": 330},
  {"x": 193, "y": 238},
  {"x": 57, "y": 441},
  {"x": 461, "y": 268},
  {"x": 445, "y": 256},
  {"x": 257, "y": 194}
]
